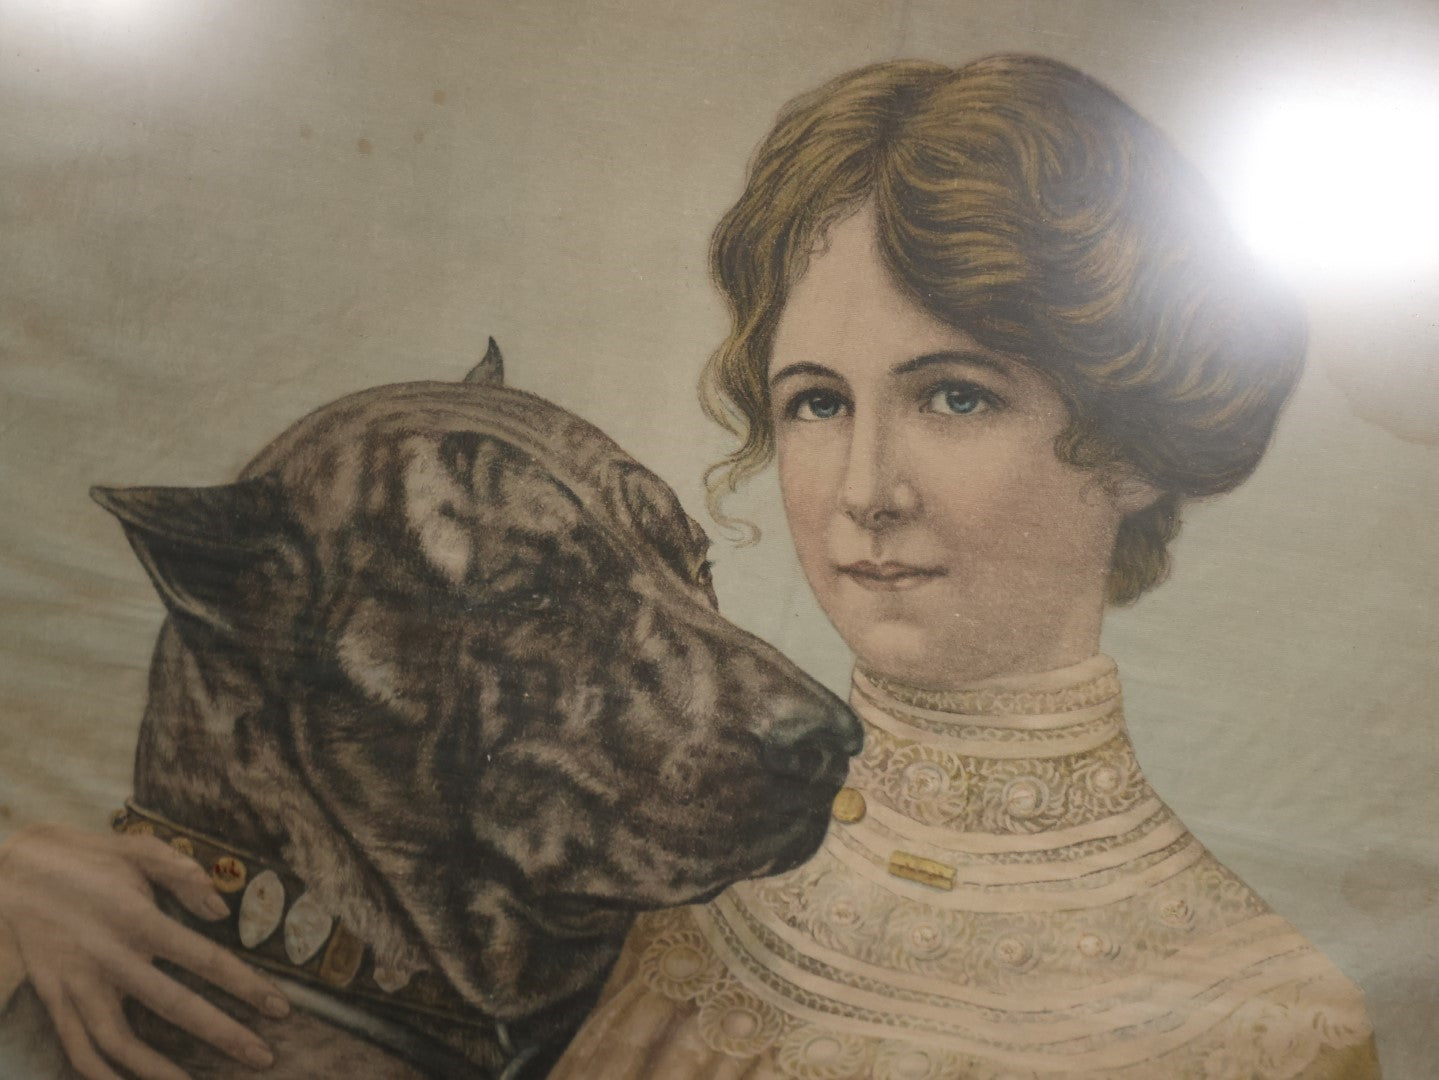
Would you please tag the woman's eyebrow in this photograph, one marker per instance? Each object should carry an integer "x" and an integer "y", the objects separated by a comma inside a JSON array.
[
  {"x": 789, "y": 371},
  {"x": 973, "y": 358}
]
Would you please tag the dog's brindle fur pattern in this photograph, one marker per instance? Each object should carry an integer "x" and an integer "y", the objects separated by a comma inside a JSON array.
[{"x": 452, "y": 656}]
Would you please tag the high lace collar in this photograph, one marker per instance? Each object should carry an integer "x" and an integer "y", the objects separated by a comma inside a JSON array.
[
  {"x": 1069, "y": 689},
  {"x": 1009, "y": 757}
]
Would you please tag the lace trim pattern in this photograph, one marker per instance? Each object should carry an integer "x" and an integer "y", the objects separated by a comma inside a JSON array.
[
  {"x": 1057, "y": 857},
  {"x": 1272, "y": 1035},
  {"x": 1063, "y": 889},
  {"x": 940, "y": 787},
  {"x": 1002, "y": 701},
  {"x": 995, "y": 950},
  {"x": 991, "y": 733}
]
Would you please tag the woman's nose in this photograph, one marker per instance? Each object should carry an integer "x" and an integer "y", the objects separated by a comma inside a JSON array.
[{"x": 877, "y": 491}]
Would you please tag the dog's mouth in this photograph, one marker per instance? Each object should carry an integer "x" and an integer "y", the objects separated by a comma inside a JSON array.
[
  {"x": 804, "y": 842},
  {"x": 792, "y": 833},
  {"x": 573, "y": 916},
  {"x": 576, "y": 915}
]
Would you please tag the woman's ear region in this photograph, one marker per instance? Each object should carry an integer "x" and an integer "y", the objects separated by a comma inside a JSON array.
[{"x": 1130, "y": 489}]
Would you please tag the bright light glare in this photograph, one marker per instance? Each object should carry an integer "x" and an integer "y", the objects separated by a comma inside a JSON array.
[
  {"x": 122, "y": 31},
  {"x": 1344, "y": 184}
]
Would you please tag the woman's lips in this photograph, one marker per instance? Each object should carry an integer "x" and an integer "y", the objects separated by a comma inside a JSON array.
[{"x": 889, "y": 576}]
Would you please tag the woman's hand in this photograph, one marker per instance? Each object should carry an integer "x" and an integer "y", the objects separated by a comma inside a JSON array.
[{"x": 82, "y": 909}]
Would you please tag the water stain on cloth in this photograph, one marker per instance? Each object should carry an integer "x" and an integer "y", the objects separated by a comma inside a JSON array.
[
  {"x": 1386, "y": 885},
  {"x": 1396, "y": 392}
]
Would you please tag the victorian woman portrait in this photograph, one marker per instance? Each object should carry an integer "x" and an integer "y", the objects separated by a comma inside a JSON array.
[{"x": 997, "y": 335}]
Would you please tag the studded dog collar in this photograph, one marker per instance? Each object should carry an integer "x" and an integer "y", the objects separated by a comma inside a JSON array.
[{"x": 275, "y": 924}]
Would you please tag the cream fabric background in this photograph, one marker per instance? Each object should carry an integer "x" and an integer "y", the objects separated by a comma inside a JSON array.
[{"x": 220, "y": 213}]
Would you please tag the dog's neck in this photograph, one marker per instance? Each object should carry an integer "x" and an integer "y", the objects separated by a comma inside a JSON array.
[{"x": 212, "y": 756}]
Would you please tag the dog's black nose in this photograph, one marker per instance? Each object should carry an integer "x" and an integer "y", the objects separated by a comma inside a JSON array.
[{"x": 812, "y": 743}]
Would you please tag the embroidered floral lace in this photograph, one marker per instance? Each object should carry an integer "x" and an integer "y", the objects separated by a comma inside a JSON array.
[{"x": 1086, "y": 932}]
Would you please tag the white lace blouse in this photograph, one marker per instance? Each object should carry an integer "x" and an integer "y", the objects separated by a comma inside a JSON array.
[{"x": 1001, "y": 895}]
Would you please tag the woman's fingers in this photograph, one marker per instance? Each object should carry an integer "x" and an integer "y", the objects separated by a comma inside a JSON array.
[
  {"x": 162, "y": 937},
  {"x": 83, "y": 911},
  {"x": 188, "y": 1011},
  {"x": 154, "y": 934},
  {"x": 71, "y": 1032},
  {"x": 178, "y": 874},
  {"x": 111, "y": 1034}
]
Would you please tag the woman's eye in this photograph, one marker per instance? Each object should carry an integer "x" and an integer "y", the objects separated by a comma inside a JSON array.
[
  {"x": 816, "y": 405},
  {"x": 959, "y": 400}
]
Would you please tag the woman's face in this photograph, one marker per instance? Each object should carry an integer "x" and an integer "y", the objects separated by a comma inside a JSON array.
[{"x": 941, "y": 534}]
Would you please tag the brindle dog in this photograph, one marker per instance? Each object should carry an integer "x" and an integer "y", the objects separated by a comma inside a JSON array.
[{"x": 450, "y": 659}]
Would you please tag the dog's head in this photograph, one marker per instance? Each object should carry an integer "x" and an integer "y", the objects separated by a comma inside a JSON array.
[{"x": 483, "y": 640}]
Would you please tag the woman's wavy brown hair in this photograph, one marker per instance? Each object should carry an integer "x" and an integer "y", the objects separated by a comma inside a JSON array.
[{"x": 1024, "y": 203}]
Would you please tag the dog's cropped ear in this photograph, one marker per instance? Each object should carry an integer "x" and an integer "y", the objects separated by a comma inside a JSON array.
[
  {"x": 197, "y": 544},
  {"x": 491, "y": 369}
]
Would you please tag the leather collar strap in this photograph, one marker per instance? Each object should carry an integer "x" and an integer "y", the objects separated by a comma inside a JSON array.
[{"x": 275, "y": 927}]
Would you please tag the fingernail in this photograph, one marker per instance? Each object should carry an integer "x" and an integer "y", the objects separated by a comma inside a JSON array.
[
  {"x": 215, "y": 907},
  {"x": 275, "y": 1006},
  {"x": 259, "y": 1056}
]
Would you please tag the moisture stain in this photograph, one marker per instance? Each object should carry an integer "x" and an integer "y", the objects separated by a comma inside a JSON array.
[
  {"x": 1396, "y": 390},
  {"x": 306, "y": 131},
  {"x": 1386, "y": 886},
  {"x": 364, "y": 146},
  {"x": 419, "y": 137},
  {"x": 438, "y": 97}
]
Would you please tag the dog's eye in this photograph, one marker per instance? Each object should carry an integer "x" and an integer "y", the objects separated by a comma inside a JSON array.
[
  {"x": 704, "y": 574},
  {"x": 530, "y": 601}
]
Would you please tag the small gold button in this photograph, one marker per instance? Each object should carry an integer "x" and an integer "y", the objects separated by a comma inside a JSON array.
[
  {"x": 342, "y": 958},
  {"x": 848, "y": 806},
  {"x": 228, "y": 874}
]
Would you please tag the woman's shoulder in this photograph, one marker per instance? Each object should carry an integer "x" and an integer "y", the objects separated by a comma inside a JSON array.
[
  {"x": 1288, "y": 1010},
  {"x": 1304, "y": 1020}
]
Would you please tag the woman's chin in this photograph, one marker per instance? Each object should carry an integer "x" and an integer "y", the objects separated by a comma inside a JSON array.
[
  {"x": 897, "y": 649},
  {"x": 923, "y": 655}
]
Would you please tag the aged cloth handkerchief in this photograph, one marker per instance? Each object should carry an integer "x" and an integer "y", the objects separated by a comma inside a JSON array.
[{"x": 1007, "y": 897}]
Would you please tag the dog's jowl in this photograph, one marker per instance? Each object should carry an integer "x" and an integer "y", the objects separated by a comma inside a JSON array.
[{"x": 443, "y": 699}]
